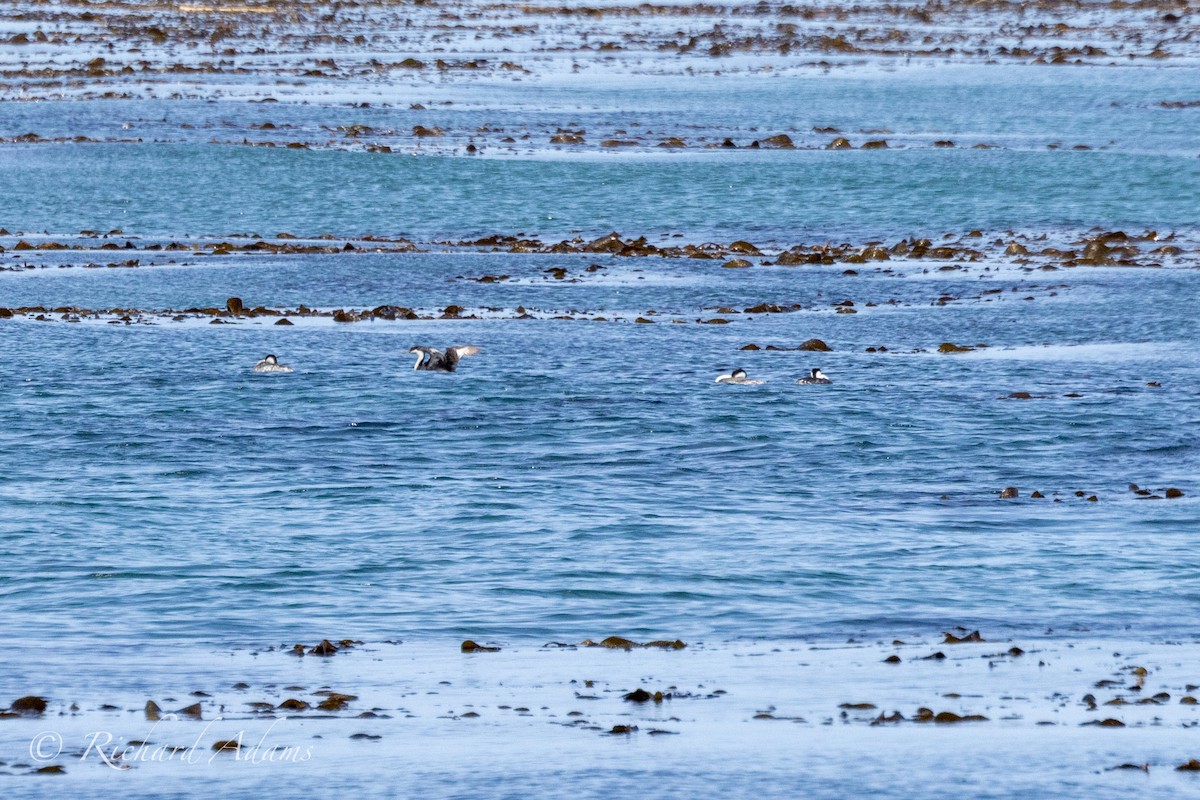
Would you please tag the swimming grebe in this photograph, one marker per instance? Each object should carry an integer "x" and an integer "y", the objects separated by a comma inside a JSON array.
[
  {"x": 430, "y": 358},
  {"x": 816, "y": 377},
  {"x": 271, "y": 364},
  {"x": 737, "y": 376}
]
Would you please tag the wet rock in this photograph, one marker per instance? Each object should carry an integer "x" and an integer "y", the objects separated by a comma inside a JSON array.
[
  {"x": 1036, "y": 495},
  {"x": 617, "y": 642},
  {"x": 471, "y": 647},
  {"x": 335, "y": 701},
  {"x": 30, "y": 705},
  {"x": 1016, "y": 249},
  {"x": 53, "y": 769},
  {"x": 325, "y": 648},
  {"x": 878, "y": 144},
  {"x": 973, "y": 636},
  {"x": 674, "y": 142},
  {"x": 1173, "y": 493},
  {"x": 283, "y": 321},
  {"x": 943, "y": 143},
  {"x": 666, "y": 645},
  {"x": 840, "y": 143},
  {"x": 370, "y": 737},
  {"x": 750, "y": 346},
  {"x": 1009, "y": 492},
  {"x": 227, "y": 745},
  {"x": 1020, "y": 396},
  {"x": 1189, "y": 766},
  {"x": 566, "y": 138},
  {"x": 1106, "y": 723},
  {"x": 622, "y": 730},
  {"x": 736, "y": 263},
  {"x": 888, "y": 719},
  {"x": 815, "y": 345},
  {"x": 938, "y": 656},
  {"x": 781, "y": 140},
  {"x": 892, "y": 659},
  {"x": 644, "y": 321},
  {"x": 422, "y": 132},
  {"x": 641, "y": 696},
  {"x": 612, "y": 243},
  {"x": 292, "y": 704},
  {"x": 951, "y": 347},
  {"x": 192, "y": 712},
  {"x": 152, "y": 711},
  {"x": 618, "y": 143},
  {"x": 234, "y": 305},
  {"x": 857, "y": 706}
]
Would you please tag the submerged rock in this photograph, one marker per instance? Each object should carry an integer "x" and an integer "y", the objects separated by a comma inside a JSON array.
[{"x": 30, "y": 704}]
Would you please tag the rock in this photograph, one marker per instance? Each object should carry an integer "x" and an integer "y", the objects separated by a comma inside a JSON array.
[
  {"x": 53, "y": 769},
  {"x": 973, "y": 636},
  {"x": 1172, "y": 493},
  {"x": 292, "y": 704},
  {"x": 1020, "y": 396},
  {"x": 193, "y": 711},
  {"x": 892, "y": 659},
  {"x": 666, "y": 645},
  {"x": 1190, "y": 766},
  {"x": 152, "y": 711},
  {"x": 612, "y": 243},
  {"x": 1037, "y": 495},
  {"x": 471, "y": 647},
  {"x": 617, "y": 642},
  {"x": 31, "y": 705},
  {"x": 227, "y": 745},
  {"x": 943, "y": 143},
  {"x": 744, "y": 247},
  {"x": 951, "y": 347},
  {"x": 335, "y": 701},
  {"x": 283, "y": 321},
  {"x": 644, "y": 321},
  {"x": 618, "y": 143},
  {"x": 815, "y": 346},
  {"x": 639, "y": 696},
  {"x": 422, "y": 132},
  {"x": 840, "y": 143},
  {"x": 566, "y": 138},
  {"x": 1009, "y": 492},
  {"x": 234, "y": 305},
  {"x": 781, "y": 140},
  {"x": 751, "y": 346},
  {"x": 325, "y": 648},
  {"x": 736, "y": 263},
  {"x": 342, "y": 316},
  {"x": 1016, "y": 249},
  {"x": 878, "y": 144}
]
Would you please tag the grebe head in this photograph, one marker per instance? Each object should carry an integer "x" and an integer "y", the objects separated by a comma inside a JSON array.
[
  {"x": 271, "y": 359},
  {"x": 738, "y": 374}
]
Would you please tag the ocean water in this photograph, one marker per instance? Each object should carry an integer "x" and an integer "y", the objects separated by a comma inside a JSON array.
[{"x": 170, "y": 520}]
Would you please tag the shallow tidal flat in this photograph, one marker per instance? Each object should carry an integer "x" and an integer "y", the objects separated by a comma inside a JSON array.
[
  {"x": 966, "y": 566},
  {"x": 887, "y": 717}
]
